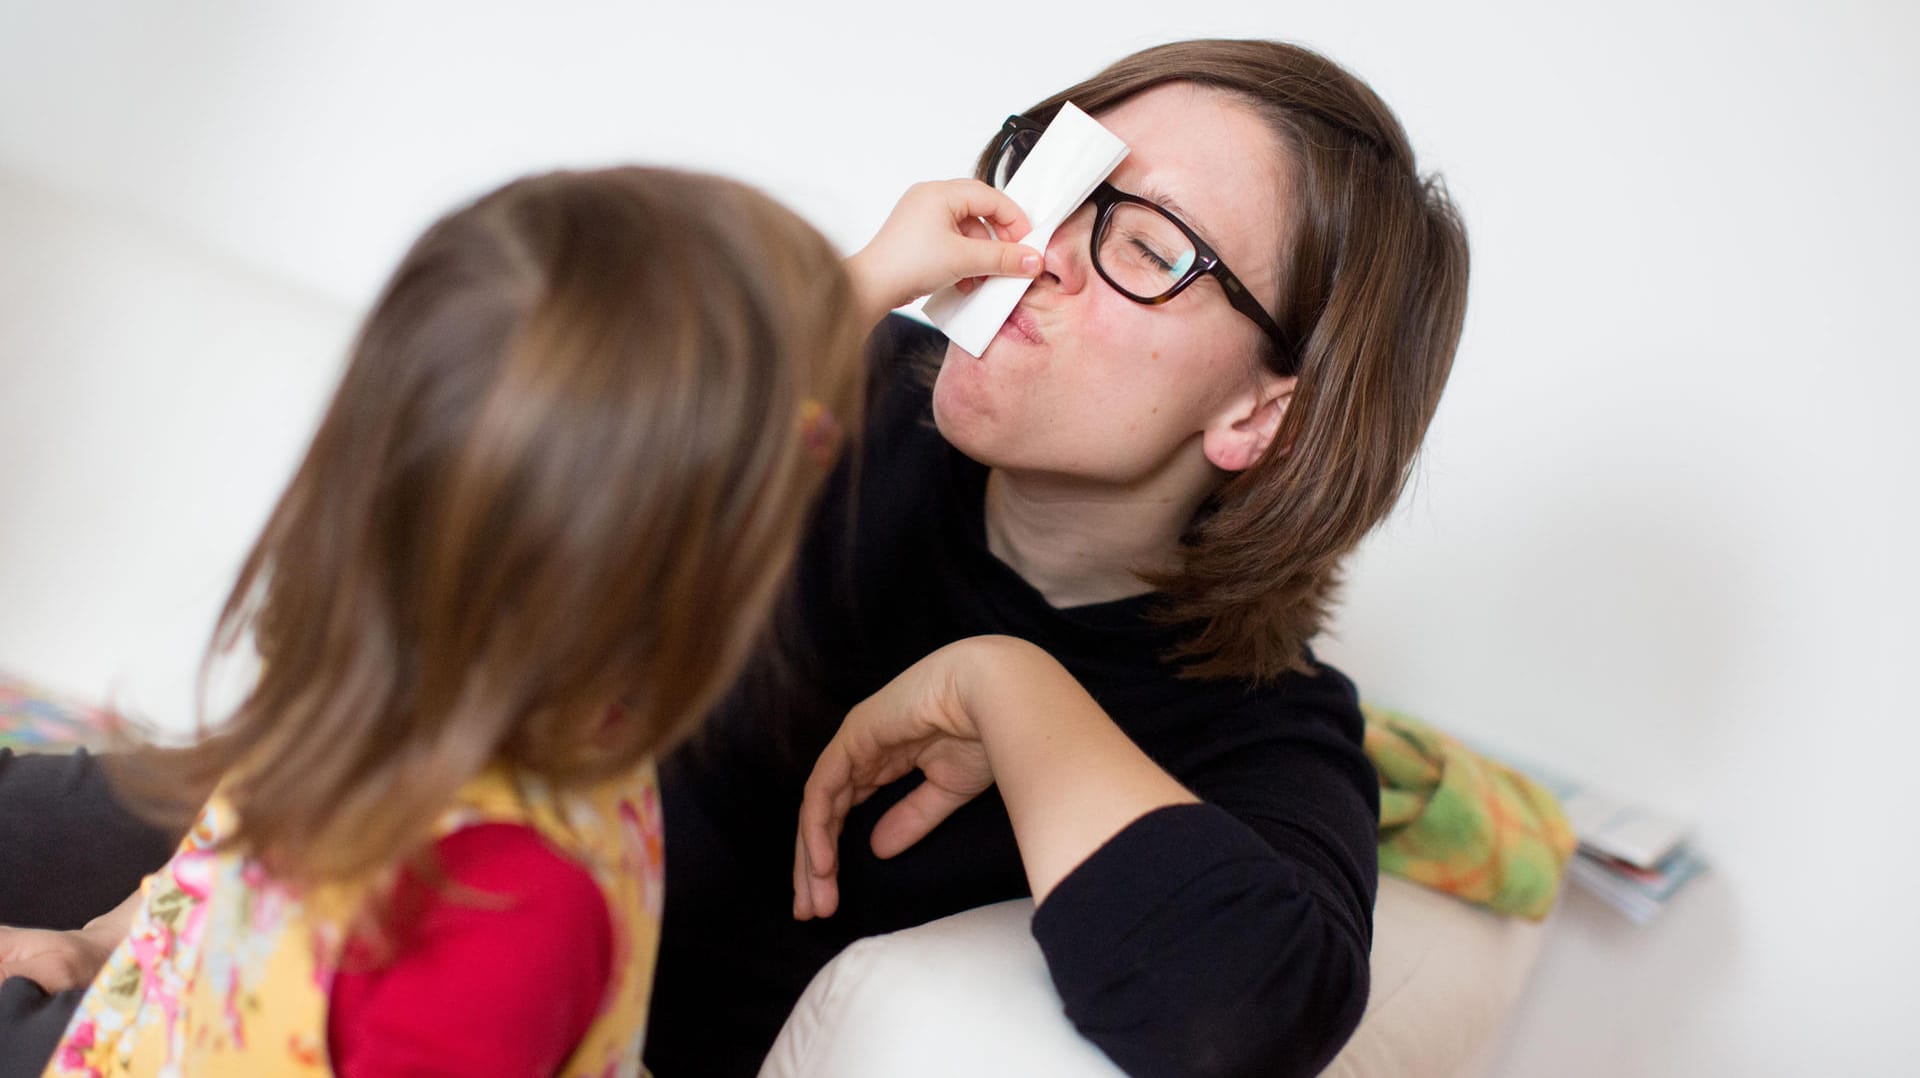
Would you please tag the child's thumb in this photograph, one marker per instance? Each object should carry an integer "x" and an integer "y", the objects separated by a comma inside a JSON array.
[{"x": 997, "y": 258}]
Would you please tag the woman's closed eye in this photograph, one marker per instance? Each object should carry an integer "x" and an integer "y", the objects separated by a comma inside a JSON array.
[{"x": 1147, "y": 253}]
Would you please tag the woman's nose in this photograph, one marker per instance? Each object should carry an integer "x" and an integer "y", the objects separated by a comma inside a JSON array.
[{"x": 1066, "y": 260}]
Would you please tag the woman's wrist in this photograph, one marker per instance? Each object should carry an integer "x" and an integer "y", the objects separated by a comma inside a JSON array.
[
  {"x": 993, "y": 672},
  {"x": 1070, "y": 778}
]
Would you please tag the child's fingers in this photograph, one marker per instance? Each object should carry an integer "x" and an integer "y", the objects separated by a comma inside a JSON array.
[
  {"x": 994, "y": 258},
  {"x": 974, "y": 229},
  {"x": 971, "y": 198}
]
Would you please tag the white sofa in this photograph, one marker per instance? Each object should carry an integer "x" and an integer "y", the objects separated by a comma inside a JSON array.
[{"x": 970, "y": 995}]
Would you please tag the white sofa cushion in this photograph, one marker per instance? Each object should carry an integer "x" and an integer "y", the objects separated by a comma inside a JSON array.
[{"x": 970, "y": 995}]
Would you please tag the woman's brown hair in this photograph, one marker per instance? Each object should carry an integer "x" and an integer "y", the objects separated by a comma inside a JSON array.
[
  {"x": 564, "y": 471},
  {"x": 1374, "y": 283}
]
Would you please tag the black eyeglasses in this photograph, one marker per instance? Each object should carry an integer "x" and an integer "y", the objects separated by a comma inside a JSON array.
[{"x": 1146, "y": 253}]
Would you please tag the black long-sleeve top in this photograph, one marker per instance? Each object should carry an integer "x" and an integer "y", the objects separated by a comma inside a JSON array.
[{"x": 1225, "y": 938}]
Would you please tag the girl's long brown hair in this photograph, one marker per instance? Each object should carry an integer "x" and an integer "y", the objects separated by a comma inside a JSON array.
[
  {"x": 1374, "y": 282},
  {"x": 543, "y": 518}
]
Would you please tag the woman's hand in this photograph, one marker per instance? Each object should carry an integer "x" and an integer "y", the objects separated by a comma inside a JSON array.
[
  {"x": 979, "y": 712},
  {"x": 935, "y": 237},
  {"x": 917, "y": 722}
]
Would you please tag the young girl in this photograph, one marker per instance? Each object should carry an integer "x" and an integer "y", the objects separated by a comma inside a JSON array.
[{"x": 538, "y": 531}]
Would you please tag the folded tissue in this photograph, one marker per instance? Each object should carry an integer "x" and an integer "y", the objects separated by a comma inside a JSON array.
[{"x": 1073, "y": 155}]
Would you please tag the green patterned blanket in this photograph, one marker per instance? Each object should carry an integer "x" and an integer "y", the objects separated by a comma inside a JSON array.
[{"x": 1457, "y": 821}]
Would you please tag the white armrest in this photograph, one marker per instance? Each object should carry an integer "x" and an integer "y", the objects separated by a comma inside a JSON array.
[{"x": 969, "y": 995}]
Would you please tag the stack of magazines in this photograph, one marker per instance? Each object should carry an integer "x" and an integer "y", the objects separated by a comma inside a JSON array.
[{"x": 1633, "y": 859}]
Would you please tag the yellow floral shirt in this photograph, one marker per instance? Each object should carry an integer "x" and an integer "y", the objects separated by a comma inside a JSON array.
[{"x": 227, "y": 973}]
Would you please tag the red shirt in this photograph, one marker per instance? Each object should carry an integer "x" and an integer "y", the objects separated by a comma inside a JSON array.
[{"x": 504, "y": 986}]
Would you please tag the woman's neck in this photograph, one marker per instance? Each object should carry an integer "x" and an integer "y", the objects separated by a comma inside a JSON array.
[{"x": 1079, "y": 543}]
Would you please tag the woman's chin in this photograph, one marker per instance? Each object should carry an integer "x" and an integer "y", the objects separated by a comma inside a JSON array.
[{"x": 960, "y": 409}]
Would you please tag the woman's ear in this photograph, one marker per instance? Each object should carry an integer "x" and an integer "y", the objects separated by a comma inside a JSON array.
[{"x": 1240, "y": 435}]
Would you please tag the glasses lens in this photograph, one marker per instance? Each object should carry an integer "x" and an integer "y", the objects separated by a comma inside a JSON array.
[
  {"x": 1012, "y": 152},
  {"x": 1143, "y": 252}
]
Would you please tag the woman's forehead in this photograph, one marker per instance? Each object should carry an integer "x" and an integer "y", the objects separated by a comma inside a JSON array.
[{"x": 1211, "y": 159}]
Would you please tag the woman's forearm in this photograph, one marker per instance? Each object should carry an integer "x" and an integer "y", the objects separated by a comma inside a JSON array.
[{"x": 1070, "y": 778}]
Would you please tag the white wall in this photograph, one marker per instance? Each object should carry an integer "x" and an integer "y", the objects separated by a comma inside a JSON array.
[
  {"x": 154, "y": 397},
  {"x": 1657, "y": 539}
]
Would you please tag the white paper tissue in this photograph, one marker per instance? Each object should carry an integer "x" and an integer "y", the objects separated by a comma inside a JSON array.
[{"x": 1071, "y": 158}]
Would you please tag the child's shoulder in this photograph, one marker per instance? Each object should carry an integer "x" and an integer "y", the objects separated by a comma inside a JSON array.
[{"x": 613, "y": 827}]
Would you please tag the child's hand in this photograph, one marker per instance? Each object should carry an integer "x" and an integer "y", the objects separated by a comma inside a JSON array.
[
  {"x": 935, "y": 238},
  {"x": 56, "y": 961},
  {"x": 917, "y": 722}
]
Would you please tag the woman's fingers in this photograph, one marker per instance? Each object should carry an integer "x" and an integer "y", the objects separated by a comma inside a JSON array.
[
  {"x": 907, "y": 726},
  {"x": 916, "y": 814},
  {"x": 814, "y": 840},
  {"x": 816, "y": 808},
  {"x": 814, "y": 895},
  {"x": 815, "y": 890},
  {"x": 831, "y": 792},
  {"x": 802, "y": 879}
]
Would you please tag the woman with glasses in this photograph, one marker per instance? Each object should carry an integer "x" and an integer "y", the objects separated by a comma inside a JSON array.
[
  {"x": 1098, "y": 551},
  {"x": 1049, "y": 632}
]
